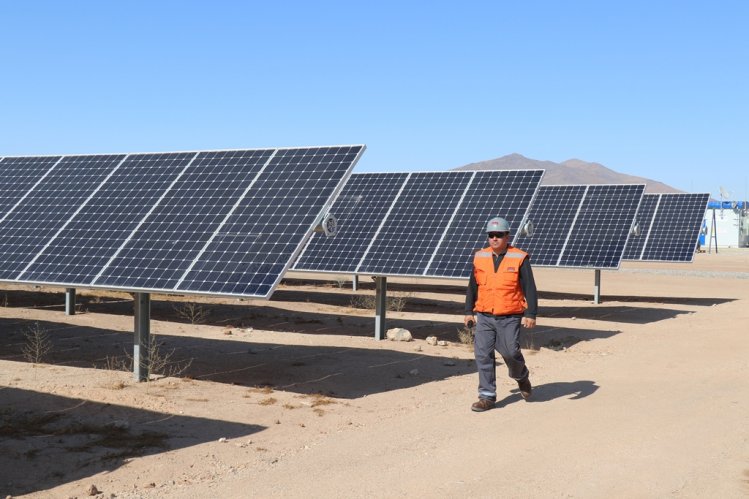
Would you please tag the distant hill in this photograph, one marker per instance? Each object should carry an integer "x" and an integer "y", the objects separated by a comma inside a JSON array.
[{"x": 572, "y": 171}]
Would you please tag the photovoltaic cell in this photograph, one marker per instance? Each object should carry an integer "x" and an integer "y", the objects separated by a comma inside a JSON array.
[
  {"x": 362, "y": 205},
  {"x": 48, "y": 207},
  {"x": 670, "y": 232},
  {"x": 107, "y": 220},
  {"x": 599, "y": 227}
]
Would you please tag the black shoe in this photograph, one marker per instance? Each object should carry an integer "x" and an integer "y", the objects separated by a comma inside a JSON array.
[{"x": 525, "y": 388}]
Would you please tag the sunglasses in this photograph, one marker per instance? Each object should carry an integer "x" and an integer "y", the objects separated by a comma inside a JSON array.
[{"x": 497, "y": 235}]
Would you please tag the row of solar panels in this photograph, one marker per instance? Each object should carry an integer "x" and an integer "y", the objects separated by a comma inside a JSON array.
[
  {"x": 429, "y": 224},
  {"x": 232, "y": 222},
  {"x": 211, "y": 222}
]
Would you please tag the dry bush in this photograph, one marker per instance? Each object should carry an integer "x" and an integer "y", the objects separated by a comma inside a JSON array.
[
  {"x": 465, "y": 335},
  {"x": 320, "y": 399},
  {"x": 268, "y": 401},
  {"x": 394, "y": 303},
  {"x": 37, "y": 344},
  {"x": 397, "y": 302},
  {"x": 161, "y": 363},
  {"x": 194, "y": 313},
  {"x": 262, "y": 389}
]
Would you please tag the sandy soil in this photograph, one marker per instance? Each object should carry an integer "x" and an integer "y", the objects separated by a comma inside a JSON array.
[{"x": 642, "y": 395}]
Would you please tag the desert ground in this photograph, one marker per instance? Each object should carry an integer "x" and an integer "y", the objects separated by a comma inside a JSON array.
[{"x": 645, "y": 394}]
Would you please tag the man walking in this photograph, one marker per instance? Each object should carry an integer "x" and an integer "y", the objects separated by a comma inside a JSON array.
[{"x": 501, "y": 296}]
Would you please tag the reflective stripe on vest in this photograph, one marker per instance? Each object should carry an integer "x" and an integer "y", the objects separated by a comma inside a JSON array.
[{"x": 499, "y": 293}]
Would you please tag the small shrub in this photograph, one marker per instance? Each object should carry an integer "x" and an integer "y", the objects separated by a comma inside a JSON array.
[
  {"x": 37, "y": 344},
  {"x": 162, "y": 363},
  {"x": 320, "y": 399},
  {"x": 192, "y": 312},
  {"x": 117, "y": 364},
  {"x": 395, "y": 303},
  {"x": 465, "y": 335}
]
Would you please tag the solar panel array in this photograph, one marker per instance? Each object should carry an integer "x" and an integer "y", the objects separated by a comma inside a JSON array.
[
  {"x": 211, "y": 222},
  {"x": 581, "y": 226},
  {"x": 669, "y": 227},
  {"x": 418, "y": 224}
]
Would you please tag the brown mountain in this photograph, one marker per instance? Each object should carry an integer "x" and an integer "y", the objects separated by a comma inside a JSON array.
[{"x": 572, "y": 171}]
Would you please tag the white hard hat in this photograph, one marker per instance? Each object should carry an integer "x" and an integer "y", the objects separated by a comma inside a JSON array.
[{"x": 498, "y": 224}]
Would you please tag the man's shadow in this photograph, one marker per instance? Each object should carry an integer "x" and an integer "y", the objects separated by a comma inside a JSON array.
[{"x": 572, "y": 390}]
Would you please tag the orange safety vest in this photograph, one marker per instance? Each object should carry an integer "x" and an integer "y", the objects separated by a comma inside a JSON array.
[{"x": 499, "y": 293}]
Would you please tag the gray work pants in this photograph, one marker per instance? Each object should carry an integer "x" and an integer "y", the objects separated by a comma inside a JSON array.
[{"x": 500, "y": 333}]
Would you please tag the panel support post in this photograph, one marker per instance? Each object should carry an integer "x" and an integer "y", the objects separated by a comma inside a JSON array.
[
  {"x": 380, "y": 306},
  {"x": 713, "y": 236},
  {"x": 597, "y": 288},
  {"x": 142, "y": 346},
  {"x": 355, "y": 282},
  {"x": 69, "y": 301}
]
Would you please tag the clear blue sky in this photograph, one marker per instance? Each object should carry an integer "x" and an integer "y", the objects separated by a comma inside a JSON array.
[{"x": 651, "y": 88}]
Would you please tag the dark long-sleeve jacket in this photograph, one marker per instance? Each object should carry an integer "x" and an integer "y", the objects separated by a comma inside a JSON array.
[{"x": 527, "y": 283}]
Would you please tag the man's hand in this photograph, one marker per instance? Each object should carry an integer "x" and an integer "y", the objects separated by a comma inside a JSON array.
[
  {"x": 528, "y": 322},
  {"x": 469, "y": 321}
]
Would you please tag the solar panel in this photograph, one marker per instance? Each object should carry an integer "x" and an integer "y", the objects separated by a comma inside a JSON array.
[
  {"x": 362, "y": 205},
  {"x": 635, "y": 244},
  {"x": 418, "y": 218},
  {"x": 48, "y": 207},
  {"x": 669, "y": 228},
  {"x": 167, "y": 241},
  {"x": 418, "y": 224},
  {"x": 222, "y": 222},
  {"x": 268, "y": 228},
  {"x": 581, "y": 226},
  {"x": 87, "y": 242},
  {"x": 553, "y": 214},
  {"x": 492, "y": 193}
]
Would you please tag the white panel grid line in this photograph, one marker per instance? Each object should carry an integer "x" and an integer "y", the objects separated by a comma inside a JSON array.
[
  {"x": 651, "y": 225},
  {"x": 78, "y": 210},
  {"x": 143, "y": 220},
  {"x": 382, "y": 223}
]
